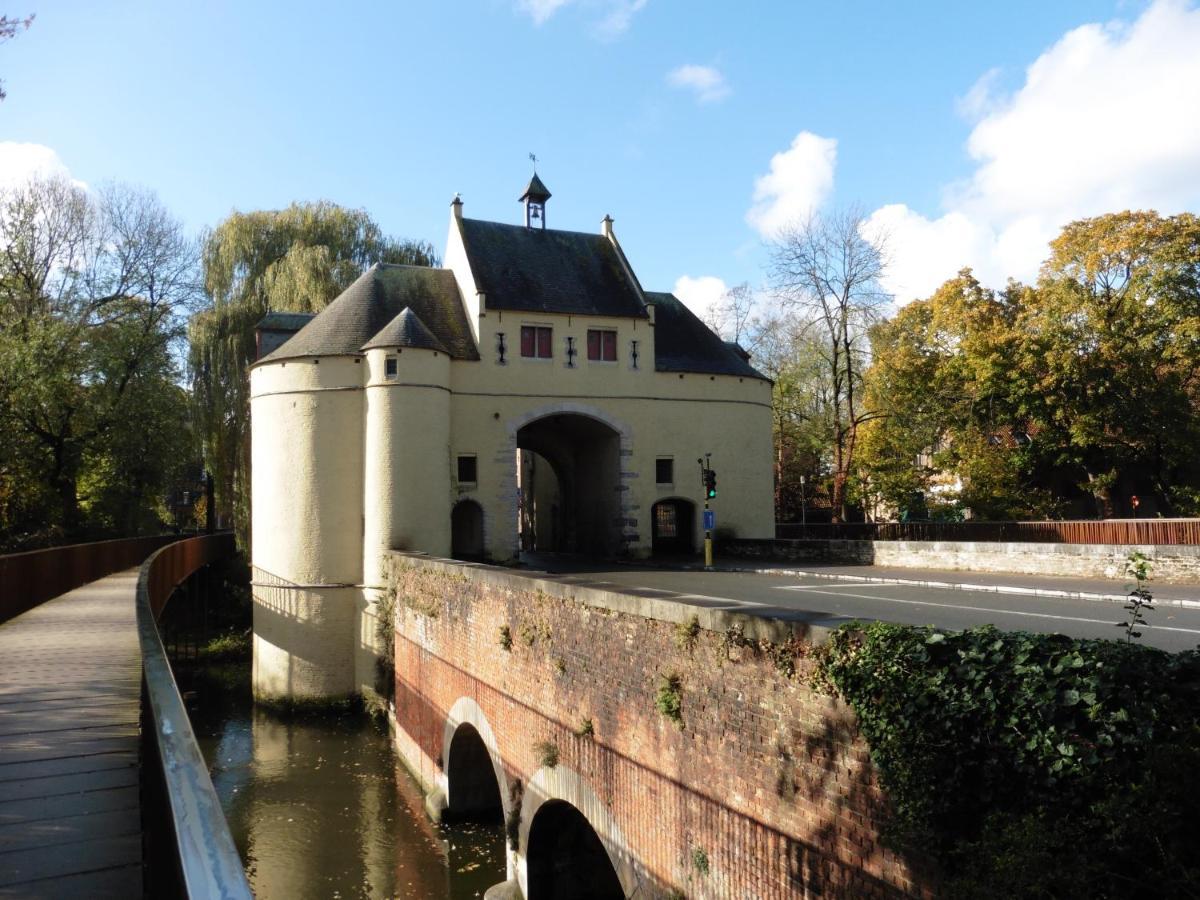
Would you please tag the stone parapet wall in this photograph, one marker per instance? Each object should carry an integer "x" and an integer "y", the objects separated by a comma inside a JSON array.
[
  {"x": 765, "y": 778},
  {"x": 1170, "y": 563}
]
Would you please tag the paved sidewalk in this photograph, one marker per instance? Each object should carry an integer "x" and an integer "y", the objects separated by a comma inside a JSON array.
[
  {"x": 1113, "y": 590},
  {"x": 70, "y": 685}
]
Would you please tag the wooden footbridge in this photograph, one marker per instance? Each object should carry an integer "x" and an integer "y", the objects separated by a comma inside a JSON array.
[{"x": 103, "y": 792}]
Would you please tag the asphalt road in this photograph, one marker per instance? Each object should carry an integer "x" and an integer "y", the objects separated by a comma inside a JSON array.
[{"x": 1171, "y": 628}]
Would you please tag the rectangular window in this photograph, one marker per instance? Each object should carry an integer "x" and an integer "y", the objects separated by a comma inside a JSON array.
[
  {"x": 664, "y": 471},
  {"x": 389, "y": 367},
  {"x": 467, "y": 473},
  {"x": 536, "y": 342},
  {"x": 602, "y": 345}
]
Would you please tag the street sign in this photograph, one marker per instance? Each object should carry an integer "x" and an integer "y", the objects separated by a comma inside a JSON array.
[{"x": 710, "y": 519}]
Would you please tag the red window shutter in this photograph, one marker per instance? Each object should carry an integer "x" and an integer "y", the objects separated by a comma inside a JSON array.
[
  {"x": 593, "y": 344},
  {"x": 527, "y": 339},
  {"x": 543, "y": 343},
  {"x": 610, "y": 346}
]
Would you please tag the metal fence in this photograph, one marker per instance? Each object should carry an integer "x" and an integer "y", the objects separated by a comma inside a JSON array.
[
  {"x": 1107, "y": 531},
  {"x": 188, "y": 849},
  {"x": 30, "y": 578}
]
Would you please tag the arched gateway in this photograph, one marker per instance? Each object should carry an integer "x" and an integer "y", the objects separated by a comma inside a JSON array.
[{"x": 569, "y": 479}]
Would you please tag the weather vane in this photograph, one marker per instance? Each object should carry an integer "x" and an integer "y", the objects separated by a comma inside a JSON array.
[{"x": 533, "y": 159}]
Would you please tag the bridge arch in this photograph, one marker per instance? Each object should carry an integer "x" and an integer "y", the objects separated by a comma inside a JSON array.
[
  {"x": 468, "y": 743},
  {"x": 559, "y": 802}
]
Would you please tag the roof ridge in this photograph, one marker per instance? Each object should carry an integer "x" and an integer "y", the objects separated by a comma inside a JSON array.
[{"x": 591, "y": 234}]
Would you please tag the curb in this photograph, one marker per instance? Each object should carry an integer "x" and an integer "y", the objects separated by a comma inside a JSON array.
[{"x": 950, "y": 585}]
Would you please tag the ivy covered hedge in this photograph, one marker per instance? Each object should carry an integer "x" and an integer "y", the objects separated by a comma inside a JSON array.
[{"x": 1031, "y": 765}]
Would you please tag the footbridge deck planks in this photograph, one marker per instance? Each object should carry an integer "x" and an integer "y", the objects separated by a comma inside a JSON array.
[{"x": 70, "y": 682}]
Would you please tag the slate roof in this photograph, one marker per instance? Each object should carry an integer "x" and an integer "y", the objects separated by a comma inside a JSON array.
[
  {"x": 544, "y": 270},
  {"x": 406, "y": 330},
  {"x": 536, "y": 191},
  {"x": 682, "y": 343},
  {"x": 374, "y": 301}
]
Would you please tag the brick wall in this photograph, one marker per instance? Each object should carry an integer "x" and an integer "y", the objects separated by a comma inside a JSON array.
[{"x": 768, "y": 778}]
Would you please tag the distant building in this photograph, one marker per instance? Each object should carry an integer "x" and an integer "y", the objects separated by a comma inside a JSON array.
[{"x": 530, "y": 395}]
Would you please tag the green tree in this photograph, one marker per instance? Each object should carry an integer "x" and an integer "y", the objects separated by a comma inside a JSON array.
[
  {"x": 1038, "y": 395},
  {"x": 1111, "y": 352},
  {"x": 942, "y": 375},
  {"x": 93, "y": 293},
  {"x": 294, "y": 260}
]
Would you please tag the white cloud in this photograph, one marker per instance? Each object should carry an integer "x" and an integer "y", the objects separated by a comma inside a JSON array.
[
  {"x": 614, "y": 19},
  {"x": 706, "y": 82},
  {"x": 19, "y": 162},
  {"x": 1105, "y": 121},
  {"x": 540, "y": 10},
  {"x": 700, "y": 294},
  {"x": 800, "y": 180},
  {"x": 981, "y": 98},
  {"x": 616, "y": 22}
]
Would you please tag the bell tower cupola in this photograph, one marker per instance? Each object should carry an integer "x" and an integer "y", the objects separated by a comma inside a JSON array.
[{"x": 535, "y": 198}]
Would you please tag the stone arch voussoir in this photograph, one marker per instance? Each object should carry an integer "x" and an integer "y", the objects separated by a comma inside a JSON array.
[
  {"x": 466, "y": 711},
  {"x": 565, "y": 784}
]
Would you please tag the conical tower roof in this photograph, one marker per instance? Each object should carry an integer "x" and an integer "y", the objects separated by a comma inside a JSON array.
[
  {"x": 406, "y": 330},
  {"x": 536, "y": 191}
]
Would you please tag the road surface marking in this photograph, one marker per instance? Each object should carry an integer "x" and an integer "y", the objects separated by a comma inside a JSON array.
[{"x": 1003, "y": 612}]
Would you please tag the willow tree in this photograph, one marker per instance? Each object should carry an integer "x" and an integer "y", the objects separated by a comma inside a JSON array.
[{"x": 292, "y": 260}]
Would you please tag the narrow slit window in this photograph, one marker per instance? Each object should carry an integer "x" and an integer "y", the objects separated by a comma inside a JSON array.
[{"x": 389, "y": 367}]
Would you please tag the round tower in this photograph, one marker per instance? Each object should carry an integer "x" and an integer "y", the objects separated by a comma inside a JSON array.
[
  {"x": 406, "y": 471},
  {"x": 306, "y": 422}
]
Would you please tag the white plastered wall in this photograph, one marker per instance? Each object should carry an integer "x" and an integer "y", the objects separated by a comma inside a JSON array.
[
  {"x": 306, "y": 492},
  {"x": 406, "y": 481}
]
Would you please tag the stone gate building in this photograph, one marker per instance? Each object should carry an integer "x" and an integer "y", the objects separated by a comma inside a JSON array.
[{"x": 529, "y": 395}]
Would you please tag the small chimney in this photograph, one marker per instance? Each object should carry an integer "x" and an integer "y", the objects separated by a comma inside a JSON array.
[
  {"x": 456, "y": 206},
  {"x": 606, "y": 225}
]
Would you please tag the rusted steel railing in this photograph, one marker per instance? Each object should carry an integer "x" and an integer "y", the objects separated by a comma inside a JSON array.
[
  {"x": 31, "y": 578},
  {"x": 1107, "y": 531},
  {"x": 189, "y": 851}
]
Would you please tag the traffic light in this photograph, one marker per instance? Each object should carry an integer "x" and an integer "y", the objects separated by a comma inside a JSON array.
[{"x": 710, "y": 483}]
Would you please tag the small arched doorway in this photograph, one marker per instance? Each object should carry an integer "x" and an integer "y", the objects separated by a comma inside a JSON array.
[
  {"x": 569, "y": 480},
  {"x": 473, "y": 792},
  {"x": 466, "y": 530},
  {"x": 672, "y": 524},
  {"x": 566, "y": 857}
]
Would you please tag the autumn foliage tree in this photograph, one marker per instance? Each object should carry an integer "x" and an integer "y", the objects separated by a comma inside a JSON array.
[{"x": 1065, "y": 396}]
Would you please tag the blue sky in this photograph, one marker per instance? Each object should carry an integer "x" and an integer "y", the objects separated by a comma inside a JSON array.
[{"x": 969, "y": 133}]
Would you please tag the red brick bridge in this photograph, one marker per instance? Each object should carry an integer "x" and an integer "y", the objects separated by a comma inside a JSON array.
[{"x": 634, "y": 743}]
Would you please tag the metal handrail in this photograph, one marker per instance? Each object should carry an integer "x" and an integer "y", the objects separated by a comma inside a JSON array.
[{"x": 208, "y": 864}]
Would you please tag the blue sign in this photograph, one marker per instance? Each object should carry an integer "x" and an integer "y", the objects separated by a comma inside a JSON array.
[{"x": 710, "y": 519}]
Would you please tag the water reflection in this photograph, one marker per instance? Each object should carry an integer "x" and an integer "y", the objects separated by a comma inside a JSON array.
[{"x": 319, "y": 806}]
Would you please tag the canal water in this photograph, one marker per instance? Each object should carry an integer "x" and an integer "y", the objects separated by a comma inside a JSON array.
[{"x": 319, "y": 805}]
